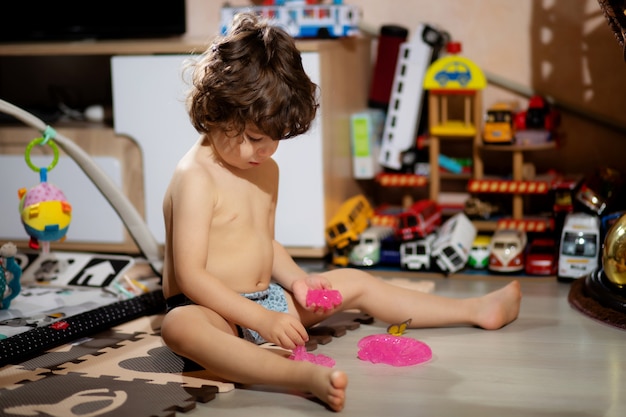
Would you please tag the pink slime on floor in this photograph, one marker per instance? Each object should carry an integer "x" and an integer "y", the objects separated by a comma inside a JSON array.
[
  {"x": 327, "y": 299},
  {"x": 393, "y": 350},
  {"x": 300, "y": 354}
]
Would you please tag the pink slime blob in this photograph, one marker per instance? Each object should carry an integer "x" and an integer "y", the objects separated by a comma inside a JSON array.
[
  {"x": 300, "y": 354},
  {"x": 327, "y": 299},
  {"x": 393, "y": 350}
]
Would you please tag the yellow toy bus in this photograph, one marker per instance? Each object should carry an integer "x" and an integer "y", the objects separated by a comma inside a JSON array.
[{"x": 352, "y": 218}]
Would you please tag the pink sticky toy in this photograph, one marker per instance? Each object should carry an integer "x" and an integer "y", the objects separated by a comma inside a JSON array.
[
  {"x": 393, "y": 350},
  {"x": 300, "y": 354},
  {"x": 327, "y": 299}
]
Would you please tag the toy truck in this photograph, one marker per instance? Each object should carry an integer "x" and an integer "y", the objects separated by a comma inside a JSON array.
[
  {"x": 451, "y": 248},
  {"x": 498, "y": 126},
  {"x": 418, "y": 221}
]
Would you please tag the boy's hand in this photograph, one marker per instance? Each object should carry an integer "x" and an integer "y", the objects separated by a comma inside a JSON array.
[
  {"x": 301, "y": 288},
  {"x": 283, "y": 329}
]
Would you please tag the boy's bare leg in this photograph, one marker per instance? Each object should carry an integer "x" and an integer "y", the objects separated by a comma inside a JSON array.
[
  {"x": 390, "y": 303},
  {"x": 191, "y": 332}
]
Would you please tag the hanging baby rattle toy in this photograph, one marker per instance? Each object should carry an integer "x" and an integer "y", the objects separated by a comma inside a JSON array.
[{"x": 44, "y": 210}]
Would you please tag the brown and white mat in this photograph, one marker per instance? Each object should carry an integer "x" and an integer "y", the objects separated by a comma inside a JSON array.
[{"x": 123, "y": 371}]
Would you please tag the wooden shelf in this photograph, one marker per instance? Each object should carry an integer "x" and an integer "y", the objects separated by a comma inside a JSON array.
[
  {"x": 522, "y": 148},
  {"x": 174, "y": 45},
  {"x": 517, "y": 186},
  {"x": 108, "y": 47},
  {"x": 465, "y": 176}
]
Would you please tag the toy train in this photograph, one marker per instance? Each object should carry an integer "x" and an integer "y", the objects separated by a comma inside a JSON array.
[{"x": 303, "y": 19}]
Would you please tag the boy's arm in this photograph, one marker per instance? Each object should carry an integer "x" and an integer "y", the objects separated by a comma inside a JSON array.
[{"x": 294, "y": 279}]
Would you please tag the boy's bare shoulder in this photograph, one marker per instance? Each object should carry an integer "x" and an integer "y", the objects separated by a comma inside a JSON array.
[
  {"x": 269, "y": 171},
  {"x": 190, "y": 176}
]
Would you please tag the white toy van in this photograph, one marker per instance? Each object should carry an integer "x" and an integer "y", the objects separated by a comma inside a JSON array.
[
  {"x": 367, "y": 250},
  {"x": 580, "y": 246},
  {"x": 451, "y": 248},
  {"x": 415, "y": 254}
]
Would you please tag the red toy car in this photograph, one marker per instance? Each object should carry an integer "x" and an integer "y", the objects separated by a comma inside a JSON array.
[
  {"x": 539, "y": 115},
  {"x": 418, "y": 221},
  {"x": 541, "y": 257}
]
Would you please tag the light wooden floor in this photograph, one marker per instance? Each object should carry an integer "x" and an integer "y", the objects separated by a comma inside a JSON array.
[{"x": 552, "y": 361}]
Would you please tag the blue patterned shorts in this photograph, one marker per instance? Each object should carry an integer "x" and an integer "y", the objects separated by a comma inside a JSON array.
[{"x": 273, "y": 298}]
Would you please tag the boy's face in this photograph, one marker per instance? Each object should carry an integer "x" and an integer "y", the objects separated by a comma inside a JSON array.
[{"x": 246, "y": 150}]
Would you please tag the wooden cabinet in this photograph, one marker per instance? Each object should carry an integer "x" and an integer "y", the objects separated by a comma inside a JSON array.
[{"x": 148, "y": 112}]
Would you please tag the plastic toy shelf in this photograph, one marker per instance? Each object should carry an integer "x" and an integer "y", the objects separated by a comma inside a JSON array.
[
  {"x": 518, "y": 187},
  {"x": 445, "y": 130},
  {"x": 388, "y": 179},
  {"x": 401, "y": 180},
  {"x": 519, "y": 148},
  {"x": 527, "y": 224},
  {"x": 454, "y": 128},
  {"x": 508, "y": 187}
]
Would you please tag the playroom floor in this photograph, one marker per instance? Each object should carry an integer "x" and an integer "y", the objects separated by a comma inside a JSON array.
[{"x": 552, "y": 361}]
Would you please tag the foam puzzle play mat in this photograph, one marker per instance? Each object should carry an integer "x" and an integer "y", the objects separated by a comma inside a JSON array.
[{"x": 124, "y": 370}]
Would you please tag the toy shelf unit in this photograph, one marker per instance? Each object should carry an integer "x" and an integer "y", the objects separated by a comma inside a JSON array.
[
  {"x": 454, "y": 84},
  {"x": 461, "y": 137},
  {"x": 518, "y": 186}
]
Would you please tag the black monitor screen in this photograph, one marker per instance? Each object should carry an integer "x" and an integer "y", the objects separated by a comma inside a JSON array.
[{"x": 38, "y": 20}]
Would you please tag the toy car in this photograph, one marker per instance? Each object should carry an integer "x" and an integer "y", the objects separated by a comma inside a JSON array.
[
  {"x": 597, "y": 192},
  {"x": 498, "y": 127},
  {"x": 539, "y": 115},
  {"x": 541, "y": 257},
  {"x": 451, "y": 247},
  {"x": 580, "y": 246},
  {"x": 479, "y": 253},
  {"x": 538, "y": 124},
  {"x": 367, "y": 251},
  {"x": 507, "y": 250},
  {"x": 454, "y": 71},
  {"x": 415, "y": 254},
  {"x": 419, "y": 220}
]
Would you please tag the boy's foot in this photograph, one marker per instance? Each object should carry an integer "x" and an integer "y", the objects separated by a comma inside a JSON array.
[
  {"x": 500, "y": 307},
  {"x": 331, "y": 389}
]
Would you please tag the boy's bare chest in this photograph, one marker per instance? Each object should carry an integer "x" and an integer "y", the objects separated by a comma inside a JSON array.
[{"x": 242, "y": 201}]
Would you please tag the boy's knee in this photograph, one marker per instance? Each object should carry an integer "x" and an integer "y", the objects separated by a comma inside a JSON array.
[{"x": 172, "y": 329}]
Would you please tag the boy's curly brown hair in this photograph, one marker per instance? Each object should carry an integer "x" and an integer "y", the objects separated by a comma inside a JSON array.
[{"x": 252, "y": 75}]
